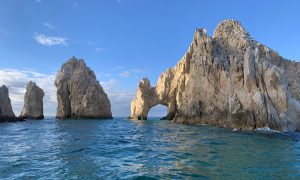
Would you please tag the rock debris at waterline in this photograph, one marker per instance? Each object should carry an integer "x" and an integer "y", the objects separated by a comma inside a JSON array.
[
  {"x": 228, "y": 79},
  {"x": 33, "y": 102},
  {"x": 79, "y": 94}
]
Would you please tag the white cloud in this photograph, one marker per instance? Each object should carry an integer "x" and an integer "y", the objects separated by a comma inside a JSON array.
[
  {"x": 120, "y": 99},
  {"x": 99, "y": 50},
  {"x": 16, "y": 81},
  {"x": 125, "y": 74},
  {"x": 90, "y": 43},
  {"x": 103, "y": 74},
  {"x": 50, "y": 41},
  {"x": 131, "y": 72},
  {"x": 49, "y": 26}
]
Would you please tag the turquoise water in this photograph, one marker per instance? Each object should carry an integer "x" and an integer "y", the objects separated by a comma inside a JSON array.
[{"x": 124, "y": 149}]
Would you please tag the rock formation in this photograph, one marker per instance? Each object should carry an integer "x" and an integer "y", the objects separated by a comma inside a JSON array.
[
  {"x": 79, "y": 94},
  {"x": 6, "y": 112},
  {"x": 33, "y": 102},
  {"x": 228, "y": 79}
]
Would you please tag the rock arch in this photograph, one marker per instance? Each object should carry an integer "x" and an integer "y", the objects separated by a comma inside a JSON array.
[
  {"x": 226, "y": 79},
  {"x": 148, "y": 97}
]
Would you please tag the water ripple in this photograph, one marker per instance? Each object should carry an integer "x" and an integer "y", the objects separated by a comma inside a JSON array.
[{"x": 123, "y": 149}]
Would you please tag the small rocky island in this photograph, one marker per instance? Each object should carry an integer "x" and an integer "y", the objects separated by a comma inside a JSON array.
[
  {"x": 33, "y": 102},
  {"x": 228, "y": 79},
  {"x": 79, "y": 94},
  {"x": 6, "y": 112}
]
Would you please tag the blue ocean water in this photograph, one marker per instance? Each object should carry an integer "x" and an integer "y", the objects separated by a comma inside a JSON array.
[{"x": 153, "y": 149}]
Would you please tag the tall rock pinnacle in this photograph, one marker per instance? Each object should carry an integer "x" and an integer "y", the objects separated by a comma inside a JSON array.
[
  {"x": 33, "y": 102},
  {"x": 6, "y": 112},
  {"x": 79, "y": 94}
]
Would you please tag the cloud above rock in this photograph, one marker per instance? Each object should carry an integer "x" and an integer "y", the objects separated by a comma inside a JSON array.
[
  {"x": 16, "y": 81},
  {"x": 50, "y": 40}
]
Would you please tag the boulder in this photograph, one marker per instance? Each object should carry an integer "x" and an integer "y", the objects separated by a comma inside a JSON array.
[
  {"x": 229, "y": 80},
  {"x": 79, "y": 94}
]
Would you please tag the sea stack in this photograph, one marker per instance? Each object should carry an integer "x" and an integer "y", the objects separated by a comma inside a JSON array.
[
  {"x": 228, "y": 79},
  {"x": 33, "y": 102},
  {"x": 6, "y": 112},
  {"x": 79, "y": 94}
]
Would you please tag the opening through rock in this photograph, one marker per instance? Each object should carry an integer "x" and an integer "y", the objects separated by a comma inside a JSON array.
[{"x": 158, "y": 112}]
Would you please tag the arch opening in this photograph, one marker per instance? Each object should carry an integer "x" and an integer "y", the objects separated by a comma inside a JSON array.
[{"x": 158, "y": 111}]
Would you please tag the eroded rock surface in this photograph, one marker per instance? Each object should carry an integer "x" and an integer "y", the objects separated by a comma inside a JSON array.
[
  {"x": 228, "y": 79},
  {"x": 33, "y": 102},
  {"x": 79, "y": 94},
  {"x": 6, "y": 112}
]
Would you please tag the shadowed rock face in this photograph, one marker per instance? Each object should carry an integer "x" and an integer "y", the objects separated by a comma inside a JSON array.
[
  {"x": 228, "y": 79},
  {"x": 6, "y": 112},
  {"x": 79, "y": 94},
  {"x": 33, "y": 102}
]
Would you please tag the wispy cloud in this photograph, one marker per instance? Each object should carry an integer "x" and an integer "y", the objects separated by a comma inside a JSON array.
[
  {"x": 90, "y": 43},
  {"x": 131, "y": 72},
  {"x": 102, "y": 75},
  {"x": 120, "y": 99},
  {"x": 49, "y": 40},
  {"x": 16, "y": 81},
  {"x": 125, "y": 74},
  {"x": 49, "y": 26},
  {"x": 99, "y": 50}
]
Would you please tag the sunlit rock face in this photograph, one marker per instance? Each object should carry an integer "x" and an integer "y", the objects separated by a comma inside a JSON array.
[
  {"x": 6, "y": 112},
  {"x": 33, "y": 102},
  {"x": 228, "y": 79},
  {"x": 79, "y": 94}
]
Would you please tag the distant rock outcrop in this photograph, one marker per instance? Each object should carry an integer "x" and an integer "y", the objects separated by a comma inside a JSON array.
[
  {"x": 6, "y": 112},
  {"x": 79, "y": 94},
  {"x": 33, "y": 102},
  {"x": 228, "y": 79}
]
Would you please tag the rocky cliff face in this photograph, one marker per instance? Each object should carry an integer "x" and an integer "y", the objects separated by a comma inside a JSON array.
[
  {"x": 6, "y": 112},
  {"x": 228, "y": 79},
  {"x": 79, "y": 94},
  {"x": 33, "y": 102}
]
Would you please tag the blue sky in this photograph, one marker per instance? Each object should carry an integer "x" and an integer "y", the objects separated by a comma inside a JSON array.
[{"x": 124, "y": 40}]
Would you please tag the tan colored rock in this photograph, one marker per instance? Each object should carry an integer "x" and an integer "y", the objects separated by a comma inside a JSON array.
[
  {"x": 79, "y": 94},
  {"x": 228, "y": 79},
  {"x": 33, "y": 102},
  {"x": 6, "y": 112}
]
